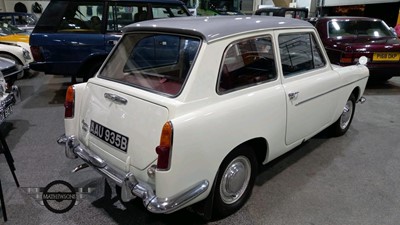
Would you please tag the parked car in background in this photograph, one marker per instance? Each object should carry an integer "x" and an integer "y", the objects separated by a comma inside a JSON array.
[
  {"x": 184, "y": 111},
  {"x": 12, "y": 34},
  {"x": 346, "y": 39},
  {"x": 18, "y": 54},
  {"x": 10, "y": 71},
  {"x": 9, "y": 93},
  {"x": 298, "y": 13},
  {"x": 24, "y": 21},
  {"x": 74, "y": 37}
]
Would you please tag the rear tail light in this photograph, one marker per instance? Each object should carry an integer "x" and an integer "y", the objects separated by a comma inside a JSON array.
[
  {"x": 352, "y": 58},
  {"x": 164, "y": 149},
  {"x": 346, "y": 58},
  {"x": 69, "y": 103},
  {"x": 37, "y": 54}
]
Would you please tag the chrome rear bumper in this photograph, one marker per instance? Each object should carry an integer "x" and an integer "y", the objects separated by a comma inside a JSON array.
[{"x": 130, "y": 186}]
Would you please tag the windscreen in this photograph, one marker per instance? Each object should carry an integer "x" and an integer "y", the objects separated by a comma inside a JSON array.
[
  {"x": 349, "y": 28},
  {"x": 155, "y": 62}
]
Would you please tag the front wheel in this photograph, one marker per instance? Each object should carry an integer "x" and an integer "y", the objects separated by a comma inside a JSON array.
[
  {"x": 343, "y": 123},
  {"x": 235, "y": 181}
]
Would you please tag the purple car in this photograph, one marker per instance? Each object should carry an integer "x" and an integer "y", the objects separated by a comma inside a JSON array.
[{"x": 346, "y": 39}]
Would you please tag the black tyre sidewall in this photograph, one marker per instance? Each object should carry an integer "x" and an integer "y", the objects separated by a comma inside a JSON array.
[{"x": 221, "y": 209}]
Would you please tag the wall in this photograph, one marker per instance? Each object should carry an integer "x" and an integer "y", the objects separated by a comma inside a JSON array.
[{"x": 8, "y": 5}]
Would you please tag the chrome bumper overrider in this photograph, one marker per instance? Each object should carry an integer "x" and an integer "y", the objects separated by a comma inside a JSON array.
[{"x": 130, "y": 186}]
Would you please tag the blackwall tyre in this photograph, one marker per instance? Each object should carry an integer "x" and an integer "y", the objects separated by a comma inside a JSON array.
[
  {"x": 234, "y": 182},
  {"x": 341, "y": 126}
]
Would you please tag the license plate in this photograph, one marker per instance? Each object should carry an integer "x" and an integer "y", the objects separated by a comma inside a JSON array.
[
  {"x": 109, "y": 136},
  {"x": 6, "y": 112},
  {"x": 386, "y": 56}
]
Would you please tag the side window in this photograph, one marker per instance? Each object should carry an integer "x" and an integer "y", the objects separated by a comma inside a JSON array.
[
  {"x": 156, "y": 51},
  {"x": 299, "y": 53},
  {"x": 246, "y": 63},
  {"x": 122, "y": 14},
  {"x": 21, "y": 20},
  {"x": 82, "y": 17},
  {"x": 7, "y": 19},
  {"x": 165, "y": 11}
]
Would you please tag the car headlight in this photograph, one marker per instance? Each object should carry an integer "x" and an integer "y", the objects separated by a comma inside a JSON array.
[{"x": 26, "y": 54}]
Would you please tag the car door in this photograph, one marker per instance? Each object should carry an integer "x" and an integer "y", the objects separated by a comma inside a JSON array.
[
  {"x": 66, "y": 35},
  {"x": 309, "y": 84}
]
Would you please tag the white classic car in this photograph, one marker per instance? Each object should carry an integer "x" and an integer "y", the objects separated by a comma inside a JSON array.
[
  {"x": 17, "y": 53},
  {"x": 185, "y": 110}
]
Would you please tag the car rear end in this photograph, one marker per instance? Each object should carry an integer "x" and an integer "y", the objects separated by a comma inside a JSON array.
[
  {"x": 119, "y": 122},
  {"x": 350, "y": 38}
]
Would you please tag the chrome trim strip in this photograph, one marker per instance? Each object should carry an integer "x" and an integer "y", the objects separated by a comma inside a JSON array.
[
  {"x": 337, "y": 88},
  {"x": 131, "y": 187}
]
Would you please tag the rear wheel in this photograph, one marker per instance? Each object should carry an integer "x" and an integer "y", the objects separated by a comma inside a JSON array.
[
  {"x": 343, "y": 123},
  {"x": 235, "y": 181}
]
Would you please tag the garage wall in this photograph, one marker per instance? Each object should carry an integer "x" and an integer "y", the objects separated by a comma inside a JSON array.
[{"x": 8, "y": 5}]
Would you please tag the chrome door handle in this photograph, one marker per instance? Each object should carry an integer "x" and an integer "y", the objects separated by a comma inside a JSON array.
[
  {"x": 115, "y": 98},
  {"x": 293, "y": 95}
]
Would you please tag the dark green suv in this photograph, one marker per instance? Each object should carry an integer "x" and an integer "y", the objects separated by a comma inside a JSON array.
[{"x": 73, "y": 38}]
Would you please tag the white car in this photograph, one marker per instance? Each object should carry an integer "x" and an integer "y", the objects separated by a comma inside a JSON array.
[
  {"x": 21, "y": 55},
  {"x": 184, "y": 111},
  {"x": 9, "y": 93}
]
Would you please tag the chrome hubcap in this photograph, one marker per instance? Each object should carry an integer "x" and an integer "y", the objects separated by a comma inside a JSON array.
[
  {"x": 235, "y": 180},
  {"x": 346, "y": 115}
]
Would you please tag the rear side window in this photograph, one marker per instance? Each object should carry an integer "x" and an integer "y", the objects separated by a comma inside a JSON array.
[
  {"x": 155, "y": 62},
  {"x": 69, "y": 16},
  {"x": 94, "y": 16},
  {"x": 163, "y": 11},
  {"x": 247, "y": 63},
  {"x": 121, "y": 14},
  {"x": 299, "y": 53},
  {"x": 82, "y": 17}
]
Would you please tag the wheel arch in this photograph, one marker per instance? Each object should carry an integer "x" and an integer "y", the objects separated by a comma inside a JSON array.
[
  {"x": 260, "y": 148},
  {"x": 14, "y": 56},
  {"x": 92, "y": 59},
  {"x": 356, "y": 92}
]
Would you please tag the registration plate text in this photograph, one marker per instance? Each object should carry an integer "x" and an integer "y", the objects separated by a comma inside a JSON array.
[
  {"x": 386, "y": 56},
  {"x": 111, "y": 137}
]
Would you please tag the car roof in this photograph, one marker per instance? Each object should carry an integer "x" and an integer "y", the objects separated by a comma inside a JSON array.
[
  {"x": 217, "y": 27},
  {"x": 347, "y": 18}
]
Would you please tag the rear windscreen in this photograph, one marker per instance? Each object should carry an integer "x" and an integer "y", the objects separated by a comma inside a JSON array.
[{"x": 155, "y": 62}]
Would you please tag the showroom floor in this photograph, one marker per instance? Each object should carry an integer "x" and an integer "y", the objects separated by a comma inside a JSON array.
[{"x": 353, "y": 179}]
